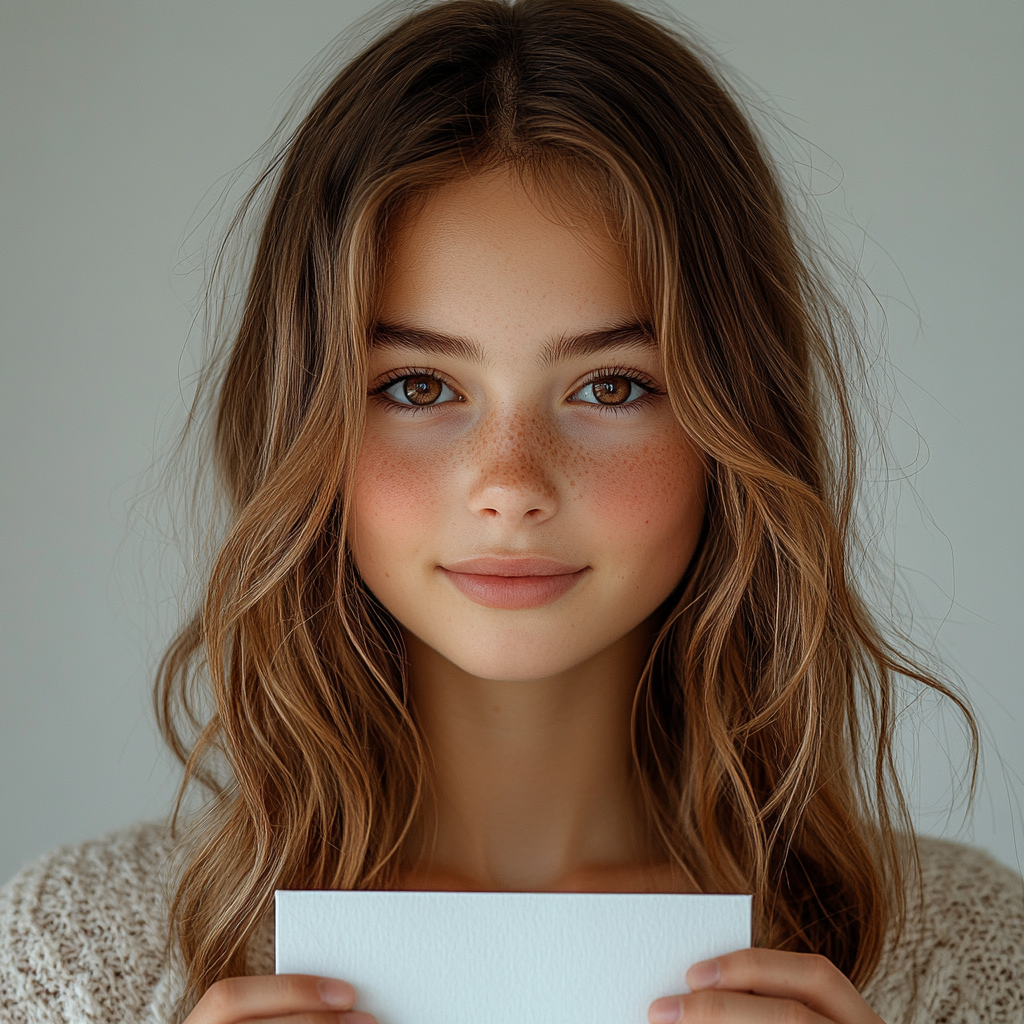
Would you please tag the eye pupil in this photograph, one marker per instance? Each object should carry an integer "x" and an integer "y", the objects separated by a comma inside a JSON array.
[
  {"x": 612, "y": 390},
  {"x": 422, "y": 390}
]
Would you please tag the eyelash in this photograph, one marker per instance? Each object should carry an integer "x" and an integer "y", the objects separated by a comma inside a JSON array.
[
  {"x": 377, "y": 391},
  {"x": 635, "y": 376}
]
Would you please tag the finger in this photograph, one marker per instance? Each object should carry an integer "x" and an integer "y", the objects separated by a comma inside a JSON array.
[
  {"x": 715, "y": 1006},
  {"x": 233, "y": 1000},
  {"x": 807, "y": 978},
  {"x": 352, "y": 1017}
]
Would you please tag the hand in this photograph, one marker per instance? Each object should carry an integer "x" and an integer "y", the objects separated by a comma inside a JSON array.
[
  {"x": 763, "y": 986},
  {"x": 279, "y": 998}
]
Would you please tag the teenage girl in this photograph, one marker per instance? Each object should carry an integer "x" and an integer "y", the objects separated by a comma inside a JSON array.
[{"x": 540, "y": 466}]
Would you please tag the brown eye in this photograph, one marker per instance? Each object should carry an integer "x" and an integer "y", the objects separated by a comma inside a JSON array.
[
  {"x": 419, "y": 391},
  {"x": 612, "y": 390},
  {"x": 422, "y": 390}
]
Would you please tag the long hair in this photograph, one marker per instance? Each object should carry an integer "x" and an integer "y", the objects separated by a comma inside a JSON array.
[{"x": 763, "y": 724}]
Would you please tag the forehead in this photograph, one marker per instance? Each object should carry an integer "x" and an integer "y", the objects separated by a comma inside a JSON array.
[{"x": 485, "y": 256}]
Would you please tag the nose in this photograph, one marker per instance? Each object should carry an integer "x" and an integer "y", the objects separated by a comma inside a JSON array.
[{"x": 514, "y": 481}]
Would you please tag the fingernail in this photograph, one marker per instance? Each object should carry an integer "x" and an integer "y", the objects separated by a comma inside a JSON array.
[
  {"x": 704, "y": 974},
  {"x": 336, "y": 993},
  {"x": 665, "y": 1011}
]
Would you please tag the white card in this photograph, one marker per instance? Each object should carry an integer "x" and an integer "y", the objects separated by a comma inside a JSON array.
[{"x": 506, "y": 958}]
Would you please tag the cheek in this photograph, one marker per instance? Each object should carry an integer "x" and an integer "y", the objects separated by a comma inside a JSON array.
[
  {"x": 645, "y": 496},
  {"x": 396, "y": 497}
]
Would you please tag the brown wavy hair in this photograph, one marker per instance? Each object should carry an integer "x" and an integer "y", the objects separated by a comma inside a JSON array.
[{"x": 764, "y": 722}]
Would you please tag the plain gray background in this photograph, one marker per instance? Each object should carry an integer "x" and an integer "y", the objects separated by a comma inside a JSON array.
[{"x": 118, "y": 124}]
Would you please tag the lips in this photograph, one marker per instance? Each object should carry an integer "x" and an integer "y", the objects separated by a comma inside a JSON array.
[
  {"x": 513, "y": 583},
  {"x": 497, "y": 565}
]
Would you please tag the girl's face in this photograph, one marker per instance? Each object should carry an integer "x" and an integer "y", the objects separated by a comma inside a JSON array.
[{"x": 524, "y": 497}]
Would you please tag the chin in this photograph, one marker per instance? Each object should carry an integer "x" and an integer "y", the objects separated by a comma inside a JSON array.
[{"x": 522, "y": 658}]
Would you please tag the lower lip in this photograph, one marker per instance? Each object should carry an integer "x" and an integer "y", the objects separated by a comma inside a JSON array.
[{"x": 513, "y": 591}]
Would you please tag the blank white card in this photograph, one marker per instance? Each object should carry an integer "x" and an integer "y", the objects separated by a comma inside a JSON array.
[{"x": 506, "y": 958}]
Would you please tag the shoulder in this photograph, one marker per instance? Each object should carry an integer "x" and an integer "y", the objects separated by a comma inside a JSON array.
[
  {"x": 83, "y": 931},
  {"x": 960, "y": 956}
]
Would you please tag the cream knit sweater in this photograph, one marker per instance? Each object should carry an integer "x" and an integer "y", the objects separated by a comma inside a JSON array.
[{"x": 82, "y": 939}]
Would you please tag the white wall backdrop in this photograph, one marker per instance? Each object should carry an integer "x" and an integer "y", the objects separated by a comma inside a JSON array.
[{"x": 119, "y": 121}]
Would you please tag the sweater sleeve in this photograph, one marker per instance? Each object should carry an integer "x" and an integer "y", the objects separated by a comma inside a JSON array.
[
  {"x": 83, "y": 933},
  {"x": 960, "y": 959}
]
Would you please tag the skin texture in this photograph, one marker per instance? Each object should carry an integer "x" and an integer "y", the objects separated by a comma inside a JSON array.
[{"x": 526, "y": 710}]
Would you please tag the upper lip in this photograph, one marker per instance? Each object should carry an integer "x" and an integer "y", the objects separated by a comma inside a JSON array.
[{"x": 498, "y": 565}]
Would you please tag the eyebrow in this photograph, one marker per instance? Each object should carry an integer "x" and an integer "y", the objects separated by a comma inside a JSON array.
[{"x": 634, "y": 334}]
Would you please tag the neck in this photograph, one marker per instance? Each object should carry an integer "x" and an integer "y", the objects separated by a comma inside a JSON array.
[{"x": 531, "y": 780}]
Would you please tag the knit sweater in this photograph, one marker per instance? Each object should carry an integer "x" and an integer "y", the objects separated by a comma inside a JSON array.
[{"x": 82, "y": 939}]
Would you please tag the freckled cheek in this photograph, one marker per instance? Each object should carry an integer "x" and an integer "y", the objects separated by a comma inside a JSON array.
[
  {"x": 398, "y": 496},
  {"x": 648, "y": 496}
]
